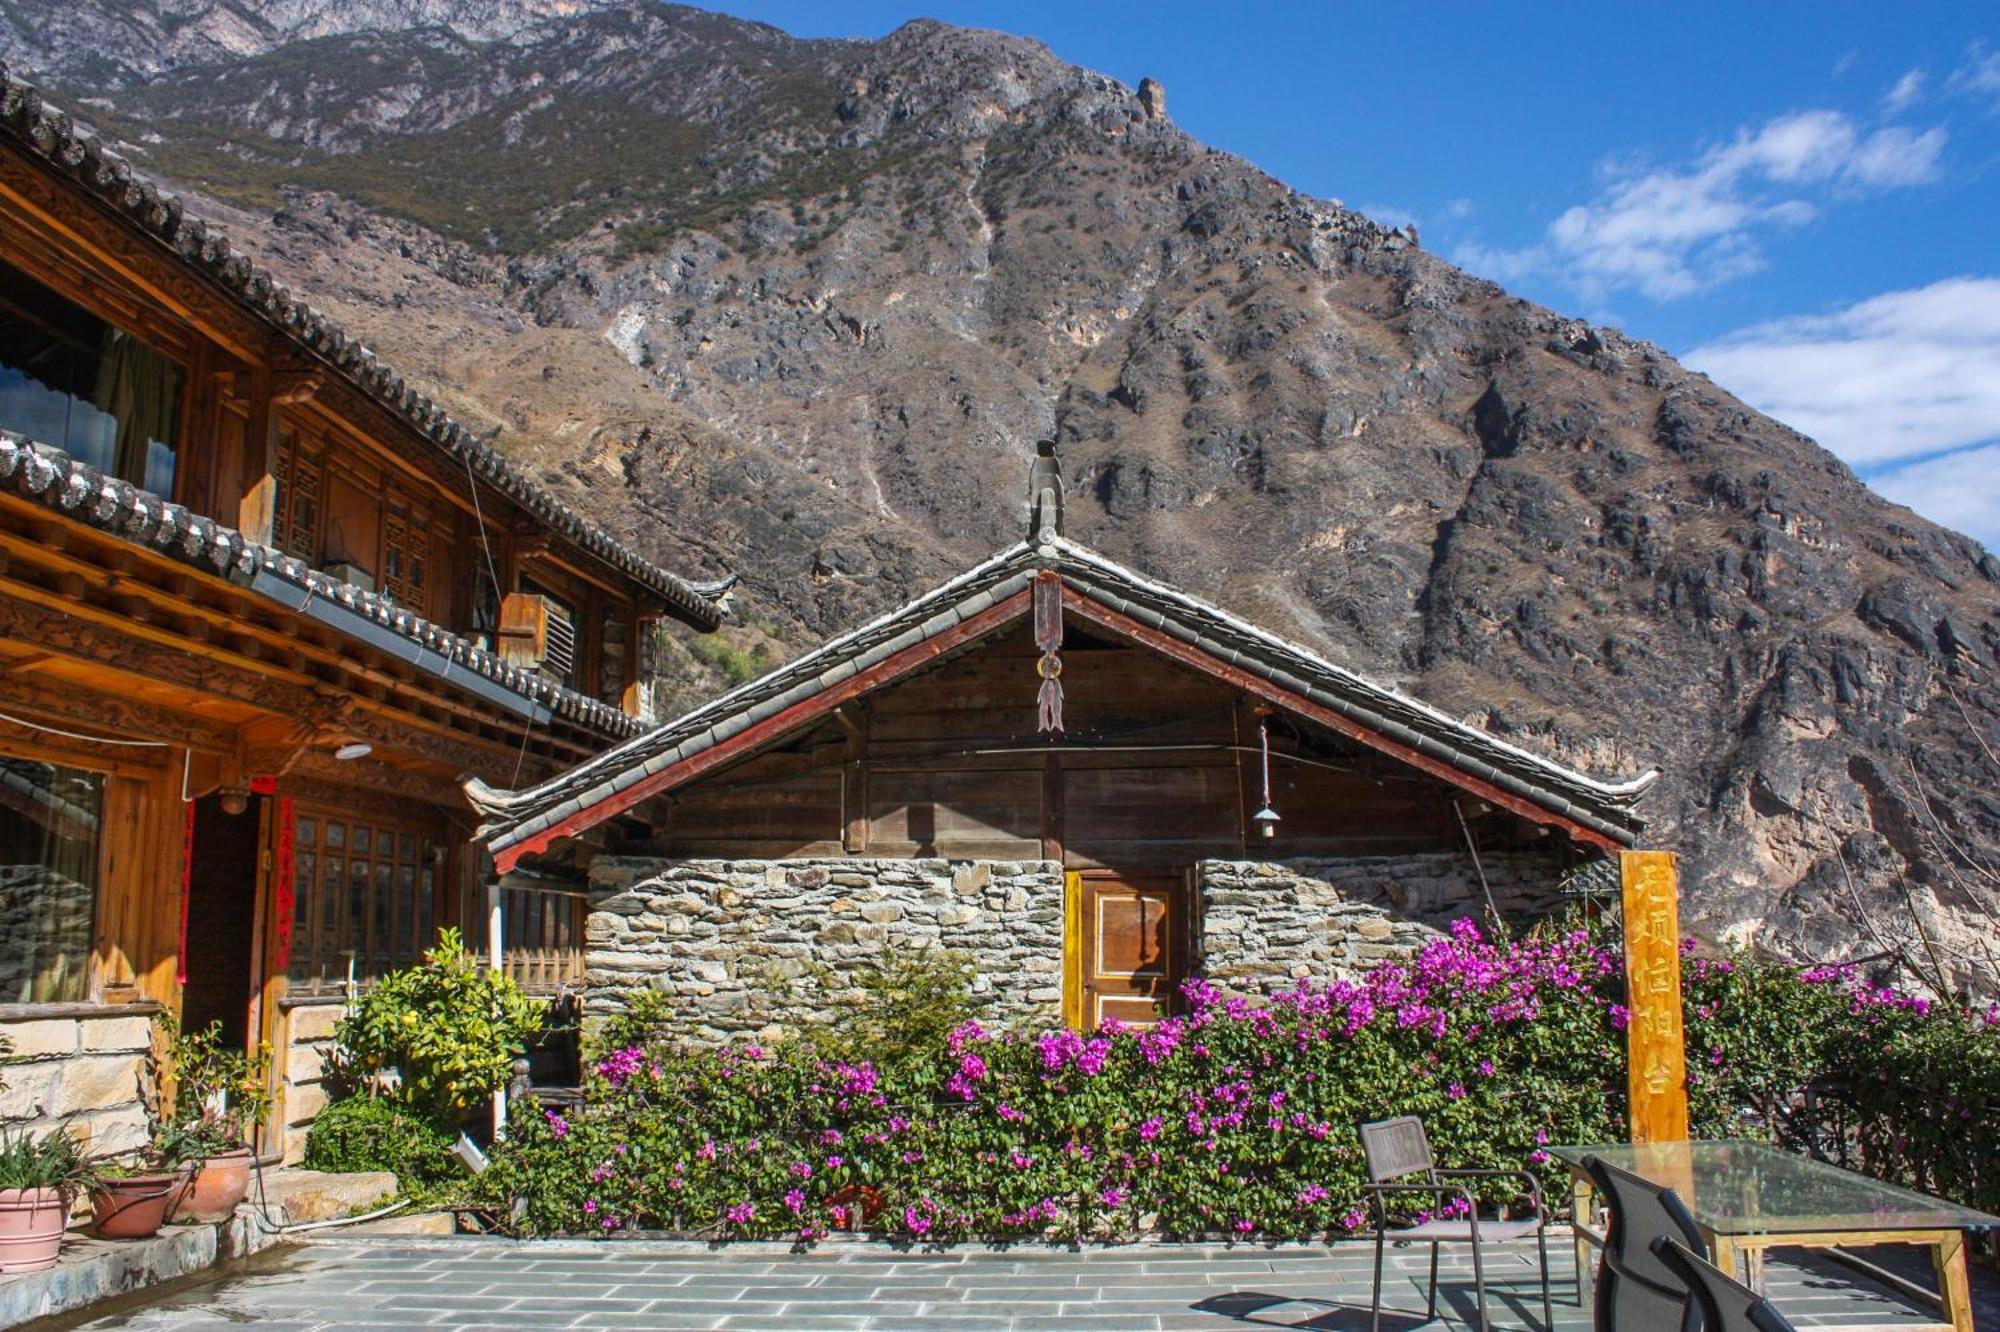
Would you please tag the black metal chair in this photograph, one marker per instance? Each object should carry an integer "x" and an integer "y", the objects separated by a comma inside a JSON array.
[
  {"x": 1636, "y": 1291},
  {"x": 1398, "y": 1154},
  {"x": 1726, "y": 1305}
]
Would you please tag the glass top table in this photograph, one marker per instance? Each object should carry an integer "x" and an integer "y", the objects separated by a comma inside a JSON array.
[
  {"x": 1752, "y": 1188},
  {"x": 1749, "y": 1197}
]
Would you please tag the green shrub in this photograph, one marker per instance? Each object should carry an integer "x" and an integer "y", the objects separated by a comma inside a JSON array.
[
  {"x": 368, "y": 1133},
  {"x": 899, "y": 1005},
  {"x": 450, "y": 1028},
  {"x": 647, "y": 1019},
  {"x": 1235, "y": 1118}
]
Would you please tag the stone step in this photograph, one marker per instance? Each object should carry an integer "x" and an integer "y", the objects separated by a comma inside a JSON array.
[{"x": 299, "y": 1196}]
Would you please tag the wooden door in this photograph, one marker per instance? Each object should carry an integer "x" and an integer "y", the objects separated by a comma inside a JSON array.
[{"x": 1132, "y": 937}]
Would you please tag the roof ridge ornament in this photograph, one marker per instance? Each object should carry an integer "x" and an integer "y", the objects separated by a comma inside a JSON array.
[{"x": 1045, "y": 497}]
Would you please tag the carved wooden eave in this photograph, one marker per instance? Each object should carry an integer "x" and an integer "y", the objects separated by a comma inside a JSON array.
[{"x": 152, "y": 563}]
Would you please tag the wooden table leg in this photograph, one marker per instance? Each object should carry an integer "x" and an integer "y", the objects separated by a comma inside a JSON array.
[
  {"x": 1582, "y": 1196},
  {"x": 1954, "y": 1291},
  {"x": 1724, "y": 1250},
  {"x": 1752, "y": 1259}
]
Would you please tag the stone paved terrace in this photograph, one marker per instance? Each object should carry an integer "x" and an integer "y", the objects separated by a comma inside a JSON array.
[{"x": 485, "y": 1284}]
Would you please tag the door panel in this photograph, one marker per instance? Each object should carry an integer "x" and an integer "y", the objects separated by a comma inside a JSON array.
[{"x": 1133, "y": 952}]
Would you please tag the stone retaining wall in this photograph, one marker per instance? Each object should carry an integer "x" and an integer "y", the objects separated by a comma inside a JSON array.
[
  {"x": 1263, "y": 924},
  {"x": 86, "y": 1065},
  {"x": 732, "y": 939},
  {"x": 302, "y": 1066}
]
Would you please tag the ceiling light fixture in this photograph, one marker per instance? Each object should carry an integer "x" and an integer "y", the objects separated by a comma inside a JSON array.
[{"x": 355, "y": 749}]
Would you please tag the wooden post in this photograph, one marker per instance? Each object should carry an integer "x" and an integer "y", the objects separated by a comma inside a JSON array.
[
  {"x": 1656, "y": 1047},
  {"x": 1072, "y": 973}
]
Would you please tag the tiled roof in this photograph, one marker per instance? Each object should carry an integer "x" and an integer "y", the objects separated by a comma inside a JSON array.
[
  {"x": 1604, "y": 807},
  {"x": 59, "y": 482},
  {"x": 49, "y": 134}
]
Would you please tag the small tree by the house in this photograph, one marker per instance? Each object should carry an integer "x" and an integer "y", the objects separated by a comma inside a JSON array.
[{"x": 414, "y": 1057}]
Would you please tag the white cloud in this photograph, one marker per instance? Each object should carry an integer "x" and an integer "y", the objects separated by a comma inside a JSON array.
[
  {"x": 1456, "y": 209},
  {"x": 1673, "y": 232},
  {"x": 1904, "y": 93},
  {"x": 1980, "y": 74},
  {"x": 1960, "y": 490},
  {"x": 1388, "y": 214},
  {"x": 1905, "y": 386}
]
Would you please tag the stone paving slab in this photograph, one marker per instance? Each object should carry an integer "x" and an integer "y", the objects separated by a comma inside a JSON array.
[{"x": 469, "y": 1284}]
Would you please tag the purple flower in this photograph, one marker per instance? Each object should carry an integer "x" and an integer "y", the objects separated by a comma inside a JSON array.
[{"x": 742, "y": 1214}]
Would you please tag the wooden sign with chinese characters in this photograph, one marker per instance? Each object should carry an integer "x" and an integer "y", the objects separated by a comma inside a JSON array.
[{"x": 1655, "y": 1044}]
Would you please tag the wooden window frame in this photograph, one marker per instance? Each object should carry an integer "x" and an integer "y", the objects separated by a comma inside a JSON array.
[
  {"x": 164, "y": 334},
  {"x": 310, "y": 970}
]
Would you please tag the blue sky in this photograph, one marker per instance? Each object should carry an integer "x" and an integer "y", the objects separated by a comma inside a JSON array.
[{"x": 1802, "y": 200}]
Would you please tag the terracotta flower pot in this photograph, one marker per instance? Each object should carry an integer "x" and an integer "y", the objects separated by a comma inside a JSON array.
[
  {"x": 31, "y": 1228},
  {"x": 137, "y": 1205},
  {"x": 222, "y": 1182}
]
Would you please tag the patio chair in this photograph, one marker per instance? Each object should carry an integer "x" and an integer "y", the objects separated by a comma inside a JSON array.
[
  {"x": 1636, "y": 1291},
  {"x": 1726, "y": 1305},
  {"x": 1398, "y": 1155}
]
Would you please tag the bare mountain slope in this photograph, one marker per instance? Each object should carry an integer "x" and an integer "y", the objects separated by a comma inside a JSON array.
[{"x": 800, "y": 309}]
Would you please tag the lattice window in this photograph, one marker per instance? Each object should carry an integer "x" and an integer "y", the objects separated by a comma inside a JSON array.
[
  {"x": 301, "y": 488},
  {"x": 361, "y": 887},
  {"x": 404, "y": 575}
]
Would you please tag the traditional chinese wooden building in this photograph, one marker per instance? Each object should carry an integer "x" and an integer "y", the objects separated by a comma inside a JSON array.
[
  {"x": 1092, "y": 782},
  {"x": 262, "y": 605}
]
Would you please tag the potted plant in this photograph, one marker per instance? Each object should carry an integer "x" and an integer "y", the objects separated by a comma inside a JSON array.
[
  {"x": 131, "y": 1200},
  {"x": 220, "y": 1096},
  {"x": 39, "y": 1177}
]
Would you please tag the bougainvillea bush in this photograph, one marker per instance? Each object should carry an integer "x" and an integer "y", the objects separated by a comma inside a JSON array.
[
  {"x": 1234, "y": 1118},
  {"x": 1901, "y": 1086}
]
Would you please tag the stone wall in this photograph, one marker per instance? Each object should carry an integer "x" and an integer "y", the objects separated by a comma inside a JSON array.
[
  {"x": 1263, "y": 924},
  {"x": 308, "y": 1032},
  {"x": 87, "y": 1065},
  {"x": 731, "y": 939}
]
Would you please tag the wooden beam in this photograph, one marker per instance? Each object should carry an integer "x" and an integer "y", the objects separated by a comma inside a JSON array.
[
  {"x": 267, "y": 641},
  {"x": 771, "y": 729},
  {"x": 1655, "y": 1042},
  {"x": 84, "y": 633},
  {"x": 854, "y": 778},
  {"x": 1052, "y": 808},
  {"x": 1125, "y": 627},
  {"x": 257, "y": 505}
]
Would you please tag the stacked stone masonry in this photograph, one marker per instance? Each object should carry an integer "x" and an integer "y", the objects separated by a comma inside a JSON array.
[
  {"x": 308, "y": 1042},
  {"x": 1262, "y": 925},
  {"x": 89, "y": 1068},
  {"x": 737, "y": 941}
]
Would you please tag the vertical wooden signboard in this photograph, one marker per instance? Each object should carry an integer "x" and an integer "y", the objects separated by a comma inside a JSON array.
[{"x": 1656, "y": 1046}]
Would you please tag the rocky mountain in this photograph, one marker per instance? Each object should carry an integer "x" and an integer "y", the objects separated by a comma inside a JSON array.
[
  {"x": 113, "y": 43},
  {"x": 800, "y": 309}
]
